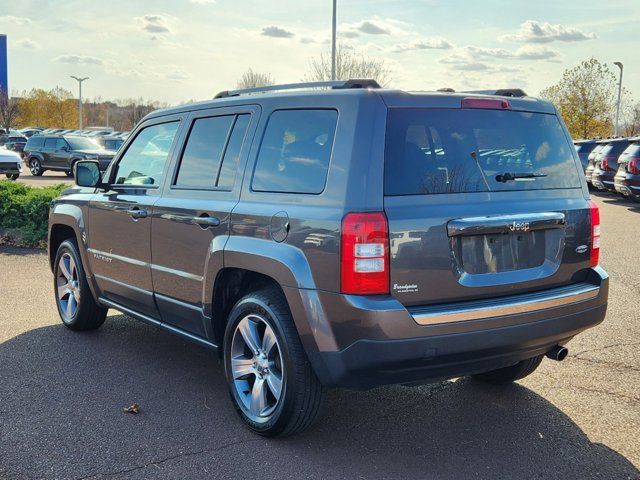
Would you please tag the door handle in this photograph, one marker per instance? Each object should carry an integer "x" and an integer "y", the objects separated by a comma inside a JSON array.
[
  {"x": 206, "y": 221},
  {"x": 136, "y": 213}
]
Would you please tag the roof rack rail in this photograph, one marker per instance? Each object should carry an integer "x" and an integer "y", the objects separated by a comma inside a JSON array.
[
  {"x": 503, "y": 92},
  {"x": 341, "y": 84}
]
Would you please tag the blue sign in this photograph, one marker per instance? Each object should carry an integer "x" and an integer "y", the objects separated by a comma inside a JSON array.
[{"x": 4, "y": 85}]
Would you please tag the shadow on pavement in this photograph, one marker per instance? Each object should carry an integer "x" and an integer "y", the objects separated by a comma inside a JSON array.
[{"x": 62, "y": 395}]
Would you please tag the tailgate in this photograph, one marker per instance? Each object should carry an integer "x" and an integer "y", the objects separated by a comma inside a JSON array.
[
  {"x": 482, "y": 203},
  {"x": 471, "y": 246}
]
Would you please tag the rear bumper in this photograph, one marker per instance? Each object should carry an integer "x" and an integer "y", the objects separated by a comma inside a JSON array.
[
  {"x": 627, "y": 185},
  {"x": 378, "y": 344},
  {"x": 603, "y": 181}
]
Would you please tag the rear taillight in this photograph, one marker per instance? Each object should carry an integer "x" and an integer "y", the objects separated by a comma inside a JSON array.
[
  {"x": 633, "y": 166},
  {"x": 595, "y": 233},
  {"x": 604, "y": 164},
  {"x": 364, "y": 263}
]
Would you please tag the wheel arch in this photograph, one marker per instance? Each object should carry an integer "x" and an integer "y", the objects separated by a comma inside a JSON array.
[{"x": 250, "y": 264}]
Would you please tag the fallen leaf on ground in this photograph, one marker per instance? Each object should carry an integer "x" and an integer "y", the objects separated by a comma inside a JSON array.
[{"x": 135, "y": 408}]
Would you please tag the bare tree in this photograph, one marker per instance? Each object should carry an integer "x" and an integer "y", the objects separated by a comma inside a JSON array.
[
  {"x": 631, "y": 125},
  {"x": 349, "y": 65},
  {"x": 251, "y": 79},
  {"x": 9, "y": 110}
]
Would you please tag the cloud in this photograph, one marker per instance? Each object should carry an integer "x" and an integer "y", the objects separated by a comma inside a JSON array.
[
  {"x": 472, "y": 53},
  {"x": 78, "y": 60},
  {"x": 373, "y": 26},
  {"x": 307, "y": 40},
  {"x": 20, "y": 21},
  {"x": 27, "y": 44},
  {"x": 471, "y": 66},
  {"x": 154, "y": 23},
  {"x": 536, "y": 32},
  {"x": 276, "y": 32},
  {"x": 203, "y": 2},
  {"x": 178, "y": 75},
  {"x": 423, "y": 44}
]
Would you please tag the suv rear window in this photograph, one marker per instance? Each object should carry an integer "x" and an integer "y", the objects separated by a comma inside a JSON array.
[
  {"x": 463, "y": 150},
  {"x": 295, "y": 151}
]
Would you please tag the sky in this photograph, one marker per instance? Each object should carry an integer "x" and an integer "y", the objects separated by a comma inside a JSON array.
[{"x": 179, "y": 50}]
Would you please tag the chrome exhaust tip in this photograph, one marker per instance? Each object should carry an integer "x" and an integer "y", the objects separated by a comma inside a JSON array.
[{"x": 558, "y": 353}]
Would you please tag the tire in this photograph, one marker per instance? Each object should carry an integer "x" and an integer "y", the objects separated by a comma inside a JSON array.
[
  {"x": 35, "y": 167},
  {"x": 12, "y": 176},
  {"x": 301, "y": 395},
  {"x": 77, "y": 308},
  {"x": 512, "y": 373}
]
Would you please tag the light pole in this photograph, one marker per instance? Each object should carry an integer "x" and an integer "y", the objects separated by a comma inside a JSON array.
[
  {"x": 333, "y": 42},
  {"x": 619, "y": 64},
  {"x": 80, "y": 80}
]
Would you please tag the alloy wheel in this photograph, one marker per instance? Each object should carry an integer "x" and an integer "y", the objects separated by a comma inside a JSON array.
[
  {"x": 256, "y": 367},
  {"x": 34, "y": 167},
  {"x": 67, "y": 286}
]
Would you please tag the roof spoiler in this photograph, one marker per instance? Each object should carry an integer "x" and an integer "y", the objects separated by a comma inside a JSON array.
[
  {"x": 503, "y": 92},
  {"x": 336, "y": 85}
]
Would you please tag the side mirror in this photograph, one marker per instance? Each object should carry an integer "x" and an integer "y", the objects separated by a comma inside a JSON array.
[
  {"x": 64, "y": 148},
  {"x": 87, "y": 173}
]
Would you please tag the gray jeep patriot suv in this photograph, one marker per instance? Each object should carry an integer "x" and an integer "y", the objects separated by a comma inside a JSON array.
[{"x": 350, "y": 236}]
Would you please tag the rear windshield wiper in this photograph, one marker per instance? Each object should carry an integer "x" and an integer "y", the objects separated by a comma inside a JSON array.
[{"x": 510, "y": 176}]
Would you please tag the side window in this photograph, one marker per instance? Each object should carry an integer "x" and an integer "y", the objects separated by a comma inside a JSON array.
[
  {"x": 227, "y": 175},
  {"x": 203, "y": 152},
  {"x": 143, "y": 162},
  {"x": 295, "y": 151},
  {"x": 50, "y": 143},
  {"x": 60, "y": 143}
]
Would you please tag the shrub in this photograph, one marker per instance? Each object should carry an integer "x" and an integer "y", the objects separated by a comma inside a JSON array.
[{"x": 24, "y": 211}]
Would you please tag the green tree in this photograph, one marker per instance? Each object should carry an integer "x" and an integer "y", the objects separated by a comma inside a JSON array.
[{"x": 585, "y": 97}]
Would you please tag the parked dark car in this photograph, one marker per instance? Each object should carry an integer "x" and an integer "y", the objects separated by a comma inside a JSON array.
[
  {"x": 584, "y": 148},
  {"x": 29, "y": 132},
  {"x": 10, "y": 164},
  {"x": 606, "y": 164},
  {"x": 16, "y": 143},
  {"x": 591, "y": 160},
  {"x": 627, "y": 179},
  {"x": 61, "y": 152},
  {"x": 260, "y": 226}
]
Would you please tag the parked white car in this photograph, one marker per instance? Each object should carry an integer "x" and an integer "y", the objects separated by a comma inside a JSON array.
[{"x": 10, "y": 164}]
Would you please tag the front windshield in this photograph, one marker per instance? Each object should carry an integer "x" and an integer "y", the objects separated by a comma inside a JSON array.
[{"x": 82, "y": 143}]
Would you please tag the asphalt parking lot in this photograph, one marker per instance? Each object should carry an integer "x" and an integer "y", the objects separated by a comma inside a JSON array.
[
  {"x": 62, "y": 395},
  {"x": 47, "y": 179}
]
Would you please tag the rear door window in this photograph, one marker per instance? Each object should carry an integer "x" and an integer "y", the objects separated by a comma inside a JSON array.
[
  {"x": 430, "y": 151},
  {"x": 211, "y": 154},
  {"x": 295, "y": 151},
  {"x": 203, "y": 152}
]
